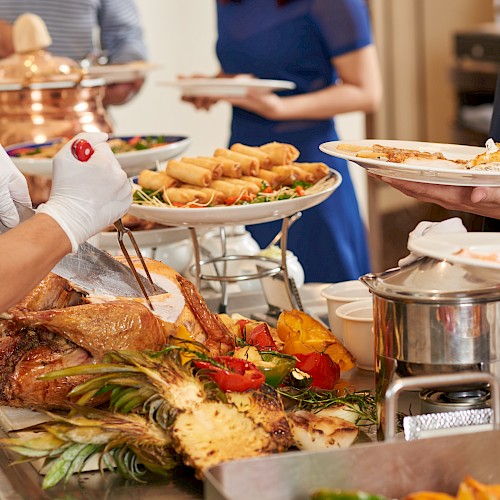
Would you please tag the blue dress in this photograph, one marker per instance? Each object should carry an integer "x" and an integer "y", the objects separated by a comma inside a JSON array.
[{"x": 296, "y": 42}]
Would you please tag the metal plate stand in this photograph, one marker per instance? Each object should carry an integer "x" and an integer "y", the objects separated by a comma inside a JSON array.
[{"x": 223, "y": 278}]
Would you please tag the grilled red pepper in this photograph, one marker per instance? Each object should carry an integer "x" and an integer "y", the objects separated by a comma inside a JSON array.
[
  {"x": 260, "y": 337},
  {"x": 232, "y": 374},
  {"x": 324, "y": 371}
]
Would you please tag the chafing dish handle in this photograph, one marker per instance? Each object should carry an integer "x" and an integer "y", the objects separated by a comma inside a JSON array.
[{"x": 429, "y": 381}]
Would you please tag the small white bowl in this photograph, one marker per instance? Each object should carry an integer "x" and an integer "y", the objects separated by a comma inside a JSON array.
[
  {"x": 359, "y": 339},
  {"x": 341, "y": 293}
]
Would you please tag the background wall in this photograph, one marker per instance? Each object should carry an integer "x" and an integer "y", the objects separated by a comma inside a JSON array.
[{"x": 181, "y": 36}]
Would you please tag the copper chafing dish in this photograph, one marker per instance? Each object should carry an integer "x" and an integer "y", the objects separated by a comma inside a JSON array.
[{"x": 44, "y": 97}]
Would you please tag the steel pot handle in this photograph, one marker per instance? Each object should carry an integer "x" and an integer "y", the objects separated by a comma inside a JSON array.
[{"x": 429, "y": 381}]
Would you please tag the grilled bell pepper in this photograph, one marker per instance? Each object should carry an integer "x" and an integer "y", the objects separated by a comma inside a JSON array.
[
  {"x": 232, "y": 374},
  {"x": 259, "y": 336},
  {"x": 274, "y": 365},
  {"x": 324, "y": 371}
]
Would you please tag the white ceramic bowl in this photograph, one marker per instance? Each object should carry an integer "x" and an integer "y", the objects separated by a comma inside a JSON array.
[
  {"x": 357, "y": 319},
  {"x": 341, "y": 293}
]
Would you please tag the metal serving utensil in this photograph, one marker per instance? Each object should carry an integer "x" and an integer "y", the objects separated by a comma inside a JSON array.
[{"x": 82, "y": 150}]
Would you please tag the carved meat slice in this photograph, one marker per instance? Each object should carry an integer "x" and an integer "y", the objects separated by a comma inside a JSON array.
[{"x": 99, "y": 328}]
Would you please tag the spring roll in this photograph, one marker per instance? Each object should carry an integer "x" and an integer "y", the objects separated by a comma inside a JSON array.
[
  {"x": 156, "y": 181},
  {"x": 188, "y": 173},
  {"x": 280, "y": 153},
  {"x": 230, "y": 168},
  {"x": 201, "y": 161},
  {"x": 285, "y": 174},
  {"x": 249, "y": 164},
  {"x": 264, "y": 159},
  {"x": 318, "y": 169},
  {"x": 303, "y": 175},
  {"x": 228, "y": 189},
  {"x": 184, "y": 196},
  {"x": 214, "y": 197},
  {"x": 271, "y": 178},
  {"x": 249, "y": 186},
  {"x": 256, "y": 180}
]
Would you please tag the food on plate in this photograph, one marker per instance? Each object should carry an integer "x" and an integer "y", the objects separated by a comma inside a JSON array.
[
  {"x": 118, "y": 145},
  {"x": 236, "y": 176},
  {"x": 249, "y": 164},
  {"x": 280, "y": 153},
  {"x": 489, "y": 160},
  {"x": 490, "y": 256}
]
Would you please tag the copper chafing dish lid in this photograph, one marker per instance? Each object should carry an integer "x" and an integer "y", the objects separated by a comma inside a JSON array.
[{"x": 31, "y": 63}]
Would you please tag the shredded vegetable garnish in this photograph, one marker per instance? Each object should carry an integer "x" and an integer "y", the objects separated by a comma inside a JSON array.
[{"x": 159, "y": 198}]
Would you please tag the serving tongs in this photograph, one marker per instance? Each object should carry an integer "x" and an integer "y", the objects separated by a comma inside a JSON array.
[{"x": 82, "y": 150}]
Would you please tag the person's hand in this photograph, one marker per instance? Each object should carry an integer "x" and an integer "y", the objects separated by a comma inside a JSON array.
[
  {"x": 265, "y": 104},
  {"x": 87, "y": 197},
  {"x": 479, "y": 200},
  {"x": 13, "y": 186},
  {"x": 120, "y": 93}
]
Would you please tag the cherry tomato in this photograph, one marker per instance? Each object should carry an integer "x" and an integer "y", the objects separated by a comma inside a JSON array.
[
  {"x": 82, "y": 150},
  {"x": 232, "y": 374},
  {"x": 260, "y": 337},
  {"x": 324, "y": 371}
]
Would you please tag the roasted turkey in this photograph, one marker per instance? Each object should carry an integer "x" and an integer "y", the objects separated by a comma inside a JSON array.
[{"x": 56, "y": 326}]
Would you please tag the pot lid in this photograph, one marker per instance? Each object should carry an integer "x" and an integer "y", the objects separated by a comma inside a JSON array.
[
  {"x": 31, "y": 61},
  {"x": 431, "y": 280}
]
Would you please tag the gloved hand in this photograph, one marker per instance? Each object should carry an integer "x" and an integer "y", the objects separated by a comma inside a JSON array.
[
  {"x": 13, "y": 186},
  {"x": 87, "y": 197},
  {"x": 453, "y": 225}
]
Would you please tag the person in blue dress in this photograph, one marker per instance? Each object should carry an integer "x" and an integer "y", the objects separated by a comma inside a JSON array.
[{"x": 325, "y": 47}]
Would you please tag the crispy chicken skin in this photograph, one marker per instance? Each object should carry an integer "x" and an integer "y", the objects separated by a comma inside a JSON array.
[{"x": 100, "y": 328}]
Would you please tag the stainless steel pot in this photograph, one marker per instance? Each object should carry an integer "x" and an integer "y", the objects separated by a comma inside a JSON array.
[{"x": 433, "y": 317}]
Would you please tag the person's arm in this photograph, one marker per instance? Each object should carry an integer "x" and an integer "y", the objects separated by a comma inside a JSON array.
[
  {"x": 479, "y": 200},
  {"x": 123, "y": 40},
  {"x": 359, "y": 89},
  {"x": 6, "y": 43},
  {"x": 29, "y": 251}
]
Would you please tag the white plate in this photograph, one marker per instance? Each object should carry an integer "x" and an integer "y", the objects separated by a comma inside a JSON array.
[
  {"x": 228, "y": 87},
  {"x": 234, "y": 215},
  {"x": 447, "y": 246},
  {"x": 121, "y": 73},
  {"x": 107, "y": 240},
  {"x": 426, "y": 171},
  {"x": 132, "y": 162}
]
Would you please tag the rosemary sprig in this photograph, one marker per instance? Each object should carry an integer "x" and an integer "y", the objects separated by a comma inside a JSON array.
[{"x": 362, "y": 403}]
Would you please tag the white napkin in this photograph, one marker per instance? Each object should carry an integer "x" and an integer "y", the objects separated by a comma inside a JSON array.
[{"x": 453, "y": 225}]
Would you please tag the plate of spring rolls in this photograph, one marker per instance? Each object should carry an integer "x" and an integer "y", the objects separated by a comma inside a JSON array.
[
  {"x": 134, "y": 152},
  {"x": 240, "y": 185}
]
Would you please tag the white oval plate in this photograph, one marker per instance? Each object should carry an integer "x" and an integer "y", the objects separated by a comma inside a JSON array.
[
  {"x": 107, "y": 240},
  {"x": 482, "y": 250},
  {"x": 232, "y": 215},
  {"x": 121, "y": 73},
  {"x": 132, "y": 162},
  {"x": 228, "y": 87},
  {"x": 426, "y": 171}
]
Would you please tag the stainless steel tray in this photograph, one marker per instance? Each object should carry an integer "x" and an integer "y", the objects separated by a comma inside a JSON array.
[{"x": 393, "y": 469}]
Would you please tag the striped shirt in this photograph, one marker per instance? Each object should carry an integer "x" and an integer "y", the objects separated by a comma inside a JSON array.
[{"x": 78, "y": 27}]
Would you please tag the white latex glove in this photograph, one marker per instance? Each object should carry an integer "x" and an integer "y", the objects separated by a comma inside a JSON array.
[
  {"x": 453, "y": 225},
  {"x": 87, "y": 197},
  {"x": 13, "y": 186}
]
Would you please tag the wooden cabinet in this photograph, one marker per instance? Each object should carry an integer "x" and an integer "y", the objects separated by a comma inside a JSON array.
[{"x": 415, "y": 40}]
